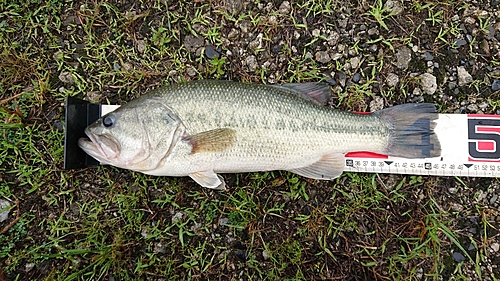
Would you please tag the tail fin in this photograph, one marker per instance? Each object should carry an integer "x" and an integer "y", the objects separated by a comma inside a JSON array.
[{"x": 411, "y": 130}]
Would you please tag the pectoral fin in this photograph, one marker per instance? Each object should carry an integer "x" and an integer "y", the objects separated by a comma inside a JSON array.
[
  {"x": 209, "y": 179},
  {"x": 328, "y": 167},
  {"x": 212, "y": 141}
]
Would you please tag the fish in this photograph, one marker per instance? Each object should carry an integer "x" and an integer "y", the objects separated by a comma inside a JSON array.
[{"x": 203, "y": 128}]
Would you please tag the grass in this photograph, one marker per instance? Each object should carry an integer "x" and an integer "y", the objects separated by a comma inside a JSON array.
[{"x": 104, "y": 223}]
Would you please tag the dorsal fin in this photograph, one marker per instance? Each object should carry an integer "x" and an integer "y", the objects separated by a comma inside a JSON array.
[{"x": 316, "y": 92}]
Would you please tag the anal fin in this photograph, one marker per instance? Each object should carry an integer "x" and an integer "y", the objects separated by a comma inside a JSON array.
[{"x": 329, "y": 167}]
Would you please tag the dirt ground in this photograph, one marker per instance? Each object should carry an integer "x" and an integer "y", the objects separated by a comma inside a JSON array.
[{"x": 105, "y": 223}]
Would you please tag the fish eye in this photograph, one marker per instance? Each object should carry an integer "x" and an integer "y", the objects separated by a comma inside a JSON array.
[{"x": 108, "y": 121}]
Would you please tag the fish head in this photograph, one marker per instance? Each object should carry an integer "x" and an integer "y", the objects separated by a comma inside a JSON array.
[{"x": 136, "y": 136}]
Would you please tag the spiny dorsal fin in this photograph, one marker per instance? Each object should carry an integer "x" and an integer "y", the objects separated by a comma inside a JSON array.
[
  {"x": 211, "y": 141},
  {"x": 318, "y": 93}
]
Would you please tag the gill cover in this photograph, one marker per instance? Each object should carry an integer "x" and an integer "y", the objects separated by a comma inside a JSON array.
[{"x": 137, "y": 135}]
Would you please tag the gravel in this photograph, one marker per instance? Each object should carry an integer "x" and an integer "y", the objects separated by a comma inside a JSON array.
[{"x": 4, "y": 210}]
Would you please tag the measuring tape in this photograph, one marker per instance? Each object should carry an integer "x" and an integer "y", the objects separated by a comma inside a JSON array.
[{"x": 468, "y": 148}]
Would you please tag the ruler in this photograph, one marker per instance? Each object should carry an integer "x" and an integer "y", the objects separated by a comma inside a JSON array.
[{"x": 468, "y": 148}]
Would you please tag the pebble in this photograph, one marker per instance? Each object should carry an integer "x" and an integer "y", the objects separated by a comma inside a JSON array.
[
  {"x": 66, "y": 77},
  {"x": 392, "y": 79},
  {"x": 356, "y": 77},
  {"x": 265, "y": 255},
  {"x": 460, "y": 42},
  {"x": 322, "y": 57},
  {"x": 354, "y": 62},
  {"x": 428, "y": 83},
  {"x": 342, "y": 77},
  {"x": 193, "y": 43},
  {"x": 177, "y": 217},
  {"x": 495, "y": 85},
  {"x": 4, "y": 210},
  {"x": 141, "y": 46},
  {"x": 464, "y": 77},
  {"x": 458, "y": 257},
  {"x": 251, "y": 63},
  {"x": 257, "y": 43},
  {"x": 376, "y": 104},
  {"x": 428, "y": 56},
  {"x": 210, "y": 52},
  {"x": 403, "y": 57},
  {"x": 234, "y": 6},
  {"x": 495, "y": 247},
  {"x": 394, "y": 7}
]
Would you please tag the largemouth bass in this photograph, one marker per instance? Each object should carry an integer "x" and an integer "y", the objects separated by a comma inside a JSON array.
[{"x": 202, "y": 128}]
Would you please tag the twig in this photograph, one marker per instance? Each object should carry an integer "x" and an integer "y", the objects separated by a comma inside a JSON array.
[{"x": 11, "y": 224}]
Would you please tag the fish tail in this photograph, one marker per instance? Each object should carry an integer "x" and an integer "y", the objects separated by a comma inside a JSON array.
[{"x": 411, "y": 130}]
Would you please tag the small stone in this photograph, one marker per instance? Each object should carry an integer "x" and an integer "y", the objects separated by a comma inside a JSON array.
[
  {"x": 234, "y": 6},
  {"x": 373, "y": 31},
  {"x": 4, "y": 210},
  {"x": 257, "y": 43},
  {"x": 342, "y": 77},
  {"x": 141, "y": 46},
  {"x": 428, "y": 56},
  {"x": 116, "y": 66},
  {"x": 356, "y": 77},
  {"x": 223, "y": 221},
  {"x": 481, "y": 194},
  {"x": 191, "y": 71},
  {"x": 159, "y": 248},
  {"x": 265, "y": 255},
  {"x": 192, "y": 43},
  {"x": 460, "y": 42},
  {"x": 493, "y": 199},
  {"x": 342, "y": 23},
  {"x": 66, "y": 77},
  {"x": 210, "y": 52},
  {"x": 452, "y": 85},
  {"x": 29, "y": 266},
  {"x": 336, "y": 56},
  {"x": 392, "y": 79},
  {"x": 403, "y": 57},
  {"x": 495, "y": 247},
  {"x": 284, "y": 8},
  {"x": 251, "y": 62},
  {"x": 457, "y": 207},
  {"x": 394, "y": 7},
  {"x": 322, "y": 57},
  {"x": 472, "y": 230},
  {"x": 458, "y": 257},
  {"x": 316, "y": 33},
  {"x": 464, "y": 77},
  {"x": 376, "y": 104},
  {"x": 452, "y": 190},
  {"x": 233, "y": 34},
  {"x": 428, "y": 83},
  {"x": 495, "y": 86},
  {"x": 473, "y": 108},
  {"x": 354, "y": 62},
  {"x": 177, "y": 217}
]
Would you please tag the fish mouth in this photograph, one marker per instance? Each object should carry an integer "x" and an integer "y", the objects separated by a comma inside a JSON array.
[{"x": 101, "y": 147}]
